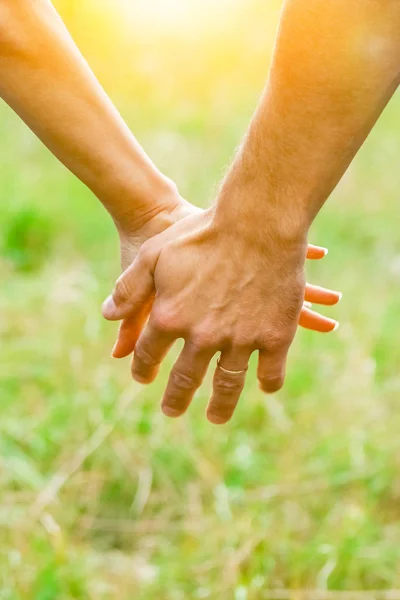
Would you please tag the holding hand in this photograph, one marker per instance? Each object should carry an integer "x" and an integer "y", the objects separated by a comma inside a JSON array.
[{"x": 220, "y": 293}]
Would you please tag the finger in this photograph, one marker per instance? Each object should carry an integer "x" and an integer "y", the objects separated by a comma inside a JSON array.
[
  {"x": 271, "y": 369},
  {"x": 227, "y": 387},
  {"x": 316, "y": 252},
  {"x": 312, "y": 320},
  {"x": 185, "y": 378},
  {"x": 320, "y": 295},
  {"x": 151, "y": 347},
  {"x": 129, "y": 332},
  {"x": 133, "y": 289}
]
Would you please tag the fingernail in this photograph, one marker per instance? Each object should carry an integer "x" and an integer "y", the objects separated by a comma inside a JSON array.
[
  {"x": 109, "y": 308},
  {"x": 336, "y": 326},
  {"x": 113, "y": 351},
  {"x": 308, "y": 304},
  {"x": 340, "y": 294},
  {"x": 326, "y": 251}
]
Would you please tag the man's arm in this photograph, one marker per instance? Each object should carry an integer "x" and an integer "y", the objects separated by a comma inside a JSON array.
[
  {"x": 45, "y": 79},
  {"x": 336, "y": 65}
]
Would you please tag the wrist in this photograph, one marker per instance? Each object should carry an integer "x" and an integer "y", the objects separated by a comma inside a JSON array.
[
  {"x": 261, "y": 198},
  {"x": 250, "y": 209},
  {"x": 136, "y": 199}
]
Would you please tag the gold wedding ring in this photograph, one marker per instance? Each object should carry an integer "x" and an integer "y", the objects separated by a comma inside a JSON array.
[{"x": 228, "y": 371}]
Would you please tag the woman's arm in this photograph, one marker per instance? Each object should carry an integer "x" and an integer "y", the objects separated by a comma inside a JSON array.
[{"x": 45, "y": 79}]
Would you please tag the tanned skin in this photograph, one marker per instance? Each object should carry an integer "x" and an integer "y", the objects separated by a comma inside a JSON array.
[
  {"x": 231, "y": 280},
  {"x": 45, "y": 79}
]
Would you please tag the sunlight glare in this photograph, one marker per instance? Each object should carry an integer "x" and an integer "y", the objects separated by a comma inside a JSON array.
[{"x": 170, "y": 14}]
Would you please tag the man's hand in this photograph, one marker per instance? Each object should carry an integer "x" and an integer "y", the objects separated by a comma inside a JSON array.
[
  {"x": 231, "y": 279},
  {"x": 219, "y": 292}
]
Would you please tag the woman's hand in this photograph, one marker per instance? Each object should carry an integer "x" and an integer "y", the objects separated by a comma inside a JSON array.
[
  {"x": 136, "y": 231},
  {"x": 220, "y": 293}
]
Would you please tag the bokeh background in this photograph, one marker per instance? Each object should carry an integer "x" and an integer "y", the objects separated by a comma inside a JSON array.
[{"x": 101, "y": 497}]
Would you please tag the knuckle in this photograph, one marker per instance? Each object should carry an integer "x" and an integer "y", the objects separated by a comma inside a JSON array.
[
  {"x": 164, "y": 321},
  {"x": 122, "y": 290},
  {"x": 292, "y": 311},
  {"x": 242, "y": 341},
  {"x": 277, "y": 340},
  {"x": 183, "y": 381},
  {"x": 167, "y": 318},
  {"x": 145, "y": 254},
  {"x": 225, "y": 386},
  {"x": 204, "y": 340},
  {"x": 143, "y": 356}
]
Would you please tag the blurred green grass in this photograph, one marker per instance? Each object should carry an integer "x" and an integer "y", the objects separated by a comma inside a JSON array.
[{"x": 104, "y": 498}]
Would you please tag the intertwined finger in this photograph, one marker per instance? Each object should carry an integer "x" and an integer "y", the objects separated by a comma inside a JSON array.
[
  {"x": 129, "y": 332},
  {"x": 320, "y": 295},
  {"x": 310, "y": 319},
  {"x": 185, "y": 378},
  {"x": 228, "y": 383},
  {"x": 151, "y": 348},
  {"x": 316, "y": 252},
  {"x": 271, "y": 369}
]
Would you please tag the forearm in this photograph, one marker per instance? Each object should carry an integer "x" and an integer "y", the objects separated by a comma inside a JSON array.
[
  {"x": 335, "y": 66},
  {"x": 45, "y": 79}
]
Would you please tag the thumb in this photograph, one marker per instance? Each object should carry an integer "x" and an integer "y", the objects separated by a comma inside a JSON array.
[{"x": 133, "y": 289}]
